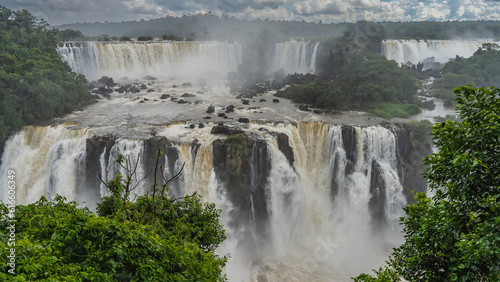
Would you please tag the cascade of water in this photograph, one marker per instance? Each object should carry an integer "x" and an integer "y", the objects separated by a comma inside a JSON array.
[
  {"x": 322, "y": 210},
  {"x": 310, "y": 230},
  {"x": 163, "y": 59},
  {"x": 46, "y": 161},
  {"x": 296, "y": 56},
  {"x": 415, "y": 51},
  {"x": 132, "y": 152}
]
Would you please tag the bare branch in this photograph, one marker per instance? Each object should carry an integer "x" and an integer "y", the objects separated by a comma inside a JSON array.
[{"x": 187, "y": 196}]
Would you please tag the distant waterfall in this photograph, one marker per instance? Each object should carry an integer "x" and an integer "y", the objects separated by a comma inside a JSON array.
[
  {"x": 322, "y": 200},
  {"x": 415, "y": 51},
  {"x": 296, "y": 57},
  {"x": 178, "y": 59},
  {"x": 163, "y": 59}
]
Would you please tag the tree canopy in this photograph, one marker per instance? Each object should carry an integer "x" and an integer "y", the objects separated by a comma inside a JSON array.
[
  {"x": 455, "y": 234},
  {"x": 482, "y": 69},
  {"x": 34, "y": 82},
  {"x": 154, "y": 238}
]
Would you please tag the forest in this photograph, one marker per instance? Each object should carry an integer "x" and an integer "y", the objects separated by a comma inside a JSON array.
[
  {"x": 35, "y": 84},
  {"x": 481, "y": 70},
  {"x": 208, "y": 26}
]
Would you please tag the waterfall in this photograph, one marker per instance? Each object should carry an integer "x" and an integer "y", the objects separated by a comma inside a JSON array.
[
  {"x": 415, "y": 51},
  {"x": 46, "y": 160},
  {"x": 161, "y": 59},
  {"x": 296, "y": 57},
  {"x": 321, "y": 200},
  {"x": 177, "y": 59},
  {"x": 324, "y": 215}
]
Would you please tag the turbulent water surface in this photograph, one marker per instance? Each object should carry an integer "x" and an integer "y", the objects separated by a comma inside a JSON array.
[{"x": 323, "y": 192}]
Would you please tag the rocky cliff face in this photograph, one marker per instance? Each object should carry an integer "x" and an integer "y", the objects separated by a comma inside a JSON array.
[
  {"x": 242, "y": 165},
  {"x": 411, "y": 152}
]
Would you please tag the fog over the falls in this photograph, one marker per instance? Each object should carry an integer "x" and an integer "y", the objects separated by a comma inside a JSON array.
[
  {"x": 323, "y": 193},
  {"x": 192, "y": 60}
]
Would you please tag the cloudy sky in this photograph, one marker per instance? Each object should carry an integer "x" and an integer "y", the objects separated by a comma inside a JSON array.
[{"x": 68, "y": 11}]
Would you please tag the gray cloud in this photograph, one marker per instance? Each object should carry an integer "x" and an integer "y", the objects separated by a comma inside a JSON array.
[{"x": 66, "y": 11}]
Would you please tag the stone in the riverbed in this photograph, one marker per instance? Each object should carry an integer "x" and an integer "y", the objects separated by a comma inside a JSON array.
[
  {"x": 229, "y": 109},
  {"x": 224, "y": 129},
  {"x": 429, "y": 105},
  {"x": 211, "y": 109}
]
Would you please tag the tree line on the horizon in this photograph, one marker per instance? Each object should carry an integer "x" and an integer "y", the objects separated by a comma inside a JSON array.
[{"x": 207, "y": 26}]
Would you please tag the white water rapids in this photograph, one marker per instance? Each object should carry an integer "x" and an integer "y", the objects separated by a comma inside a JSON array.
[
  {"x": 329, "y": 215},
  {"x": 310, "y": 234}
]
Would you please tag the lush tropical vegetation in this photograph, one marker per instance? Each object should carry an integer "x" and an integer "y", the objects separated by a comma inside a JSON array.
[
  {"x": 362, "y": 80},
  {"x": 154, "y": 238},
  {"x": 34, "y": 83},
  {"x": 455, "y": 234},
  {"x": 481, "y": 70}
]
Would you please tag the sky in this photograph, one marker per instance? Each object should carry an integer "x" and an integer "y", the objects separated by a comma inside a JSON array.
[{"x": 57, "y": 12}]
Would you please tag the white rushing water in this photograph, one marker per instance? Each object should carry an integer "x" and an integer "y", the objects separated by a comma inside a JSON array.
[
  {"x": 313, "y": 233},
  {"x": 296, "y": 57},
  {"x": 160, "y": 59},
  {"x": 328, "y": 214},
  {"x": 177, "y": 59},
  {"x": 415, "y": 51}
]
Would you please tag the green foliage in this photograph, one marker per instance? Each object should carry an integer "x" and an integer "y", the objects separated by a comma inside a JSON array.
[
  {"x": 383, "y": 274},
  {"x": 34, "y": 82},
  {"x": 447, "y": 117},
  {"x": 154, "y": 238},
  {"x": 481, "y": 70},
  {"x": 145, "y": 38},
  {"x": 455, "y": 235},
  {"x": 237, "y": 144},
  {"x": 319, "y": 93},
  {"x": 124, "y": 38},
  {"x": 421, "y": 129},
  {"x": 171, "y": 37},
  {"x": 366, "y": 81},
  {"x": 57, "y": 241},
  {"x": 390, "y": 110},
  {"x": 70, "y": 35}
]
